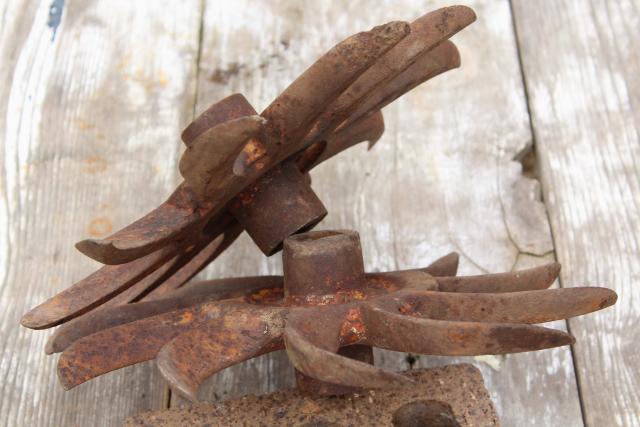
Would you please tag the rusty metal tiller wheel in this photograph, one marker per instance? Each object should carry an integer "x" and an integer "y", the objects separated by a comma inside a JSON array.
[
  {"x": 245, "y": 171},
  {"x": 327, "y": 312}
]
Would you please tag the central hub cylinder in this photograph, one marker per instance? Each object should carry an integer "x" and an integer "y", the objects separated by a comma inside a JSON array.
[
  {"x": 323, "y": 263},
  {"x": 279, "y": 204}
]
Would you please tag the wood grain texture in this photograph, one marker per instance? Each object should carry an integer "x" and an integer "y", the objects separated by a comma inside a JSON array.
[
  {"x": 443, "y": 177},
  {"x": 582, "y": 73},
  {"x": 89, "y": 139}
]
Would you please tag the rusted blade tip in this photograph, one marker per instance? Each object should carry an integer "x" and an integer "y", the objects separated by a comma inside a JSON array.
[
  {"x": 606, "y": 297},
  {"x": 444, "y": 266},
  {"x": 463, "y": 14},
  {"x": 108, "y": 252},
  {"x": 545, "y": 274},
  {"x": 454, "y": 54},
  {"x": 95, "y": 249},
  {"x": 535, "y": 338},
  {"x": 552, "y": 270},
  {"x": 50, "y": 346},
  {"x": 174, "y": 377},
  {"x": 390, "y": 31},
  {"x": 66, "y": 375},
  {"x": 377, "y": 124},
  {"x": 36, "y": 318}
]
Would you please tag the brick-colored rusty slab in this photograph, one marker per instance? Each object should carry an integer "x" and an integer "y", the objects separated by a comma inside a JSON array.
[{"x": 458, "y": 387}]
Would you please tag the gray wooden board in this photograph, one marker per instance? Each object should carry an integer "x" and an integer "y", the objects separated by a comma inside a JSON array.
[
  {"x": 89, "y": 125},
  {"x": 442, "y": 178},
  {"x": 582, "y": 73},
  {"x": 89, "y": 129}
]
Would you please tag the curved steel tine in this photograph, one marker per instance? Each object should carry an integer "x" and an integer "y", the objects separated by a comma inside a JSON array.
[
  {"x": 523, "y": 280},
  {"x": 442, "y": 58},
  {"x": 369, "y": 128},
  {"x": 185, "y": 265},
  {"x": 195, "y": 355},
  {"x": 188, "y": 296},
  {"x": 196, "y": 264},
  {"x": 128, "y": 344},
  {"x": 118, "y": 284},
  {"x": 185, "y": 210},
  {"x": 181, "y": 214},
  {"x": 94, "y": 290},
  {"x": 143, "y": 285},
  {"x": 512, "y": 307},
  {"x": 292, "y": 113},
  {"x": 318, "y": 359},
  {"x": 427, "y": 32},
  {"x": 391, "y": 330},
  {"x": 444, "y": 266}
]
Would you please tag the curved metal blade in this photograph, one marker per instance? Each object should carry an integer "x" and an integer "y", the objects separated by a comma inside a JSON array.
[
  {"x": 213, "y": 240},
  {"x": 312, "y": 350},
  {"x": 292, "y": 113},
  {"x": 427, "y": 32},
  {"x": 94, "y": 290},
  {"x": 392, "y": 281},
  {"x": 369, "y": 128},
  {"x": 397, "y": 332},
  {"x": 197, "y": 293},
  {"x": 332, "y": 368},
  {"x": 196, "y": 264},
  {"x": 512, "y": 307},
  {"x": 442, "y": 58},
  {"x": 182, "y": 213},
  {"x": 445, "y": 266},
  {"x": 523, "y": 280},
  {"x": 129, "y": 343},
  {"x": 193, "y": 356}
]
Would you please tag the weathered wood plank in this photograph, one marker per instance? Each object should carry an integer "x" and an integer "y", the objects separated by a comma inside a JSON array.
[
  {"x": 582, "y": 74},
  {"x": 442, "y": 178},
  {"x": 89, "y": 129}
]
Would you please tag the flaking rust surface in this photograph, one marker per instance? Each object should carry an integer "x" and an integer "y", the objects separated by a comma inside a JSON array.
[{"x": 460, "y": 387}]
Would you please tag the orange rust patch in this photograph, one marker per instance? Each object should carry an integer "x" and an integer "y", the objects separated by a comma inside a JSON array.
[
  {"x": 99, "y": 227},
  {"x": 186, "y": 317},
  {"x": 353, "y": 328},
  {"x": 266, "y": 296},
  {"x": 253, "y": 151}
]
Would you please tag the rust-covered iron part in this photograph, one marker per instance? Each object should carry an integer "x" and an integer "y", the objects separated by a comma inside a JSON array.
[
  {"x": 327, "y": 313},
  {"x": 248, "y": 171},
  {"x": 244, "y": 171}
]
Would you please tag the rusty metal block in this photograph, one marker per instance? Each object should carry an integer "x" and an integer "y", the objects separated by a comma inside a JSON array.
[{"x": 451, "y": 396}]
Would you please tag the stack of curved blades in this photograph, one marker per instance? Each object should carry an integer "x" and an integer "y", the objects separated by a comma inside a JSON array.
[
  {"x": 333, "y": 105},
  {"x": 205, "y": 327}
]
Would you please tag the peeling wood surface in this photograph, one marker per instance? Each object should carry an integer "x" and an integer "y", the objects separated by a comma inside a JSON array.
[
  {"x": 90, "y": 119},
  {"x": 585, "y": 106}
]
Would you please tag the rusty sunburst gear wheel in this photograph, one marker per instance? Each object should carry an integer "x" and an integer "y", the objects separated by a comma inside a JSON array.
[
  {"x": 327, "y": 313},
  {"x": 245, "y": 171}
]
